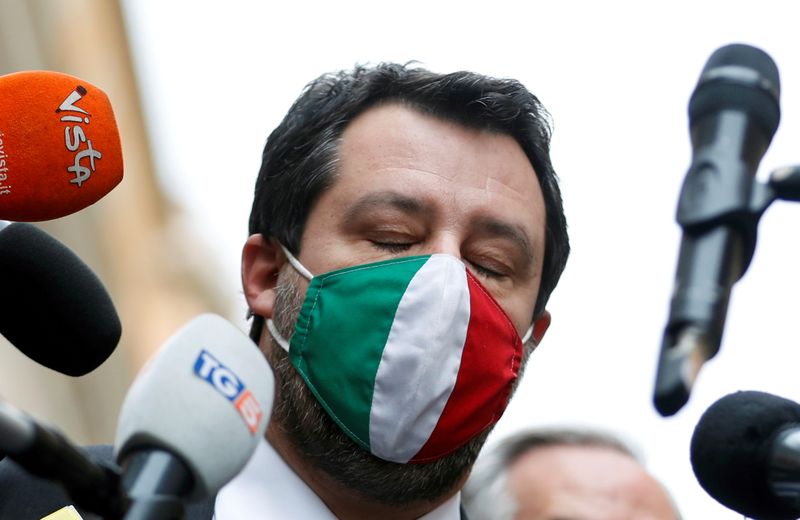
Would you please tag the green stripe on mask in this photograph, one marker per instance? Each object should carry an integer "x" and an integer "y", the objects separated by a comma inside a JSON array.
[{"x": 315, "y": 351}]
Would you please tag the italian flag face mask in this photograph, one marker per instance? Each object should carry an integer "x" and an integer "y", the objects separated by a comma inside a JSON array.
[{"x": 411, "y": 357}]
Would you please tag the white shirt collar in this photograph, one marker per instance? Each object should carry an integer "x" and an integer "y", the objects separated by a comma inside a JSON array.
[{"x": 268, "y": 488}]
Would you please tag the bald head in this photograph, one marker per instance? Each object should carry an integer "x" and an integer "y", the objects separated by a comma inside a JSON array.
[{"x": 564, "y": 475}]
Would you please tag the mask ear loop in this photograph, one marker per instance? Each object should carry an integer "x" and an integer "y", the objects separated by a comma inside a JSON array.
[
  {"x": 528, "y": 335},
  {"x": 300, "y": 268},
  {"x": 279, "y": 339}
]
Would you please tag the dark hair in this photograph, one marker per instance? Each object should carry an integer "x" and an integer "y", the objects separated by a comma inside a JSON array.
[{"x": 300, "y": 157}]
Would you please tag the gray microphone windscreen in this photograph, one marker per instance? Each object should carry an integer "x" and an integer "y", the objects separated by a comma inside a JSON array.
[{"x": 206, "y": 397}]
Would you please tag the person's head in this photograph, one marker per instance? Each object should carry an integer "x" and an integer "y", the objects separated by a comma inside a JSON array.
[
  {"x": 301, "y": 156},
  {"x": 556, "y": 474},
  {"x": 393, "y": 161}
]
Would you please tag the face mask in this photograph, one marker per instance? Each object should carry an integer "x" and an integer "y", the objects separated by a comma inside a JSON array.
[{"x": 411, "y": 357}]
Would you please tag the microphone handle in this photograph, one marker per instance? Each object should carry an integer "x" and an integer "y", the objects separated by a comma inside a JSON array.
[
  {"x": 709, "y": 264},
  {"x": 719, "y": 238},
  {"x": 157, "y": 507},
  {"x": 157, "y": 484}
]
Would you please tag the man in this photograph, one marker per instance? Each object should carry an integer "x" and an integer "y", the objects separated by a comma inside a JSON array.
[
  {"x": 559, "y": 474},
  {"x": 373, "y": 166},
  {"x": 406, "y": 233}
]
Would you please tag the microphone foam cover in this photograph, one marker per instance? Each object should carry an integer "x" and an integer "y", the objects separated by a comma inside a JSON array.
[
  {"x": 206, "y": 397},
  {"x": 730, "y": 451},
  {"x": 53, "y": 308},
  {"x": 59, "y": 145}
]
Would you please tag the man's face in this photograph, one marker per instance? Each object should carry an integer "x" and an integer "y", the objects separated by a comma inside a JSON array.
[
  {"x": 406, "y": 184},
  {"x": 585, "y": 483},
  {"x": 410, "y": 184}
]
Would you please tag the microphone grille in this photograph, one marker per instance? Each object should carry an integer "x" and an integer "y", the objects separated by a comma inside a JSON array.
[
  {"x": 739, "y": 77},
  {"x": 745, "y": 56}
]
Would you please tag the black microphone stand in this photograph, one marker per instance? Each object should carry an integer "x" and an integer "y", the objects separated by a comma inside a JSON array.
[{"x": 693, "y": 332}]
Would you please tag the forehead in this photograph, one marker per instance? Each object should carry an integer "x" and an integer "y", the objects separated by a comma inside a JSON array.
[
  {"x": 566, "y": 481},
  {"x": 395, "y": 135},
  {"x": 393, "y": 146}
]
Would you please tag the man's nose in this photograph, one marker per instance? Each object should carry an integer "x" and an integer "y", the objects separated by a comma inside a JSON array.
[{"x": 445, "y": 244}]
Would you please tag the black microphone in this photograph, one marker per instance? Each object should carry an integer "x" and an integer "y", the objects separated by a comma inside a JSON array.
[
  {"x": 53, "y": 308},
  {"x": 745, "y": 453},
  {"x": 45, "y": 452},
  {"x": 733, "y": 113}
]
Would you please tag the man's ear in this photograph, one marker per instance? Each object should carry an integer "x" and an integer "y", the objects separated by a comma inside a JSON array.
[
  {"x": 540, "y": 326},
  {"x": 262, "y": 260}
]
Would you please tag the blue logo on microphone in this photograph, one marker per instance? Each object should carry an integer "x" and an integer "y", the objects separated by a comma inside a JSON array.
[{"x": 223, "y": 379}]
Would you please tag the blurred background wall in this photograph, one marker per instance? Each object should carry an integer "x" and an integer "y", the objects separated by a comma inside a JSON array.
[{"x": 134, "y": 239}]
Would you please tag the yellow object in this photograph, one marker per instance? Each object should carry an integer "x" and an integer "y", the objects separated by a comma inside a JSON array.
[{"x": 65, "y": 513}]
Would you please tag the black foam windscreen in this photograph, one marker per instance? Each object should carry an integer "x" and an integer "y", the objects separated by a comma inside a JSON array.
[
  {"x": 53, "y": 308},
  {"x": 739, "y": 77},
  {"x": 730, "y": 452}
]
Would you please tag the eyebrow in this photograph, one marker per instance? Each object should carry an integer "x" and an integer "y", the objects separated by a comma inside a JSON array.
[
  {"x": 391, "y": 199},
  {"x": 500, "y": 229}
]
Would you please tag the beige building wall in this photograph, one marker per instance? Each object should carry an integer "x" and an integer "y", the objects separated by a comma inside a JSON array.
[{"x": 132, "y": 238}]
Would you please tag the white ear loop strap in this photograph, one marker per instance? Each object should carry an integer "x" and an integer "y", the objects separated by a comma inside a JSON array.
[
  {"x": 527, "y": 335},
  {"x": 273, "y": 331},
  {"x": 300, "y": 268}
]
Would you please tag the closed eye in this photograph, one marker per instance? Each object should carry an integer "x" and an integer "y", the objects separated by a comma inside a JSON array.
[
  {"x": 392, "y": 247},
  {"x": 485, "y": 271}
]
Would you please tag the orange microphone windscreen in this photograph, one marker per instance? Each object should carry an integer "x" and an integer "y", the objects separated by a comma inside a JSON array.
[{"x": 59, "y": 145}]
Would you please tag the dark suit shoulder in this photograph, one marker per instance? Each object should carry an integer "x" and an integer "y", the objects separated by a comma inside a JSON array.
[{"x": 26, "y": 497}]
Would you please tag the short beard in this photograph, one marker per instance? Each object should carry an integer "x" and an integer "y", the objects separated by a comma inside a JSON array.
[{"x": 320, "y": 441}]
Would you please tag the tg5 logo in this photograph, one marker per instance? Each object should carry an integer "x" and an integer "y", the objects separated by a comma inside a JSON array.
[{"x": 223, "y": 379}]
